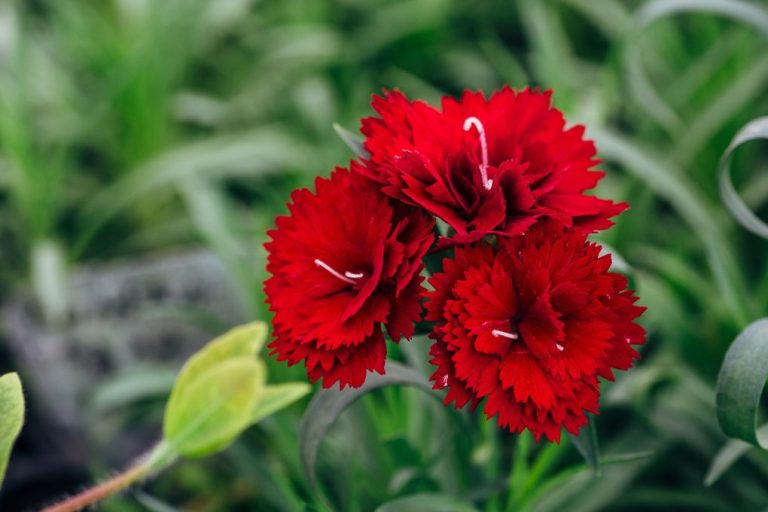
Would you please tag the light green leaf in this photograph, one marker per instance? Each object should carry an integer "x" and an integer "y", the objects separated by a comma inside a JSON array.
[
  {"x": 11, "y": 417},
  {"x": 328, "y": 404},
  {"x": 741, "y": 382},
  {"x": 755, "y": 130},
  {"x": 215, "y": 408},
  {"x": 586, "y": 444},
  {"x": 352, "y": 140},
  {"x": 245, "y": 340},
  {"x": 426, "y": 503},
  {"x": 277, "y": 397}
]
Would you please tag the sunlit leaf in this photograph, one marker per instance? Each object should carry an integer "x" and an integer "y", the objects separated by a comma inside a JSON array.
[
  {"x": 243, "y": 341},
  {"x": 741, "y": 382},
  {"x": 215, "y": 408},
  {"x": 328, "y": 404},
  {"x": 277, "y": 397},
  {"x": 755, "y": 130},
  {"x": 11, "y": 417}
]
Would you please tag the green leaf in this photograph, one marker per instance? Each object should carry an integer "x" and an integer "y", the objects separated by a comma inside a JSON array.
[
  {"x": 426, "y": 503},
  {"x": 618, "y": 263},
  {"x": 211, "y": 213},
  {"x": 245, "y": 340},
  {"x": 741, "y": 382},
  {"x": 757, "y": 129},
  {"x": 352, "y": 140},
  {"x": 741, "y": 92},
  {"x": 130, "y": 386},
  {"x": 214, "y": 408},
  {"x": 586, "y": 444},
  {"x": 748, "y": 13},
  {"x": 266, "y": 150},
  {"x": 151, "y": 503},
  {"x": 11, "y": 417},
  {"x": 328, "y": 404},
  {"x": 277, "y": 397},
  {"x": 726, "y": 457},
  {"x": 685, "y": 196},
  {"x": 744, "y": 12},
  {"x": 49, "y": 279}
]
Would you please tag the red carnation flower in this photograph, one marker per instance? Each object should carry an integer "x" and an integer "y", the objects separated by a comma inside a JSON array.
[
  {"x": 485, "y": 167},
  {"x": 345, "y": 261},
  {"x": 530, "y": 325}
]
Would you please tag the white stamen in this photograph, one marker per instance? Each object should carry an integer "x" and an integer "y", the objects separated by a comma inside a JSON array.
[
  {"x": 347, "y": 277},
  {"x": 559, "y": 347},
  {"x": 504, "y": 334},
  {"x": 445, "y": 381},
  {"x": 475, "y": 122}
]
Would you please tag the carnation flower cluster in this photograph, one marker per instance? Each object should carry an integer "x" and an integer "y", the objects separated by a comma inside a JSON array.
[{"x": 525, "y": 312}]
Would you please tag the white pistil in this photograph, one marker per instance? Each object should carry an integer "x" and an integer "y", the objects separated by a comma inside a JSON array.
[
  {"x": 475, "y": 122},
  {"x": 504, "y": 334},
  {"x": 559, "y": 347},
  {"x": 347, "y": 277}
]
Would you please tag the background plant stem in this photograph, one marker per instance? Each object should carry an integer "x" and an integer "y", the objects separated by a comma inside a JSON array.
[{"x": 102, "y": 491}]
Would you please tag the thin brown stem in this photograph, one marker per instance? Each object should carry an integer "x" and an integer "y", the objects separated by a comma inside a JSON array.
[{"x": 104, "y": 490}]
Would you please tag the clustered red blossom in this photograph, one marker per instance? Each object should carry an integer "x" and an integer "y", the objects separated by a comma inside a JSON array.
[{"x": 526, "y": 314}]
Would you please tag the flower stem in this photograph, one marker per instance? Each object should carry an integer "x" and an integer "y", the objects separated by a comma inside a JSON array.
[
  {"x": 519, "y": 473},
  {"x": 104, "y": 490}
]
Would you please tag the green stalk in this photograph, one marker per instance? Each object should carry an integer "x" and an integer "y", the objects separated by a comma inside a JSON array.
[{"x": 519, "y": 474}]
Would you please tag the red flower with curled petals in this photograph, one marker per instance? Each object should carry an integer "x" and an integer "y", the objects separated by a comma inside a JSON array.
[
  {"x": 530, "y": 325},
  {"x": 485, "y": 166},
  {"x": 344, "y": 263}
]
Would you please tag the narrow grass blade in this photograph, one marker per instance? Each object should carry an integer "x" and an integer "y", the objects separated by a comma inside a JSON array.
[
  {"x": 748, "y": 13},
  {"x": 587, "y": 445},
  {"x": 755, "y": 130},
  {"x": 352, "y": 140}
]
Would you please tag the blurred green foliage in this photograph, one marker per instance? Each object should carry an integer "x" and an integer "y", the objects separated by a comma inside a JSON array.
[{"x": 129, "y": 127}]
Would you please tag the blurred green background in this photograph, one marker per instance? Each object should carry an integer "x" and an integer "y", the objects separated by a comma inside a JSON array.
[{"x": 138, "y": 131}]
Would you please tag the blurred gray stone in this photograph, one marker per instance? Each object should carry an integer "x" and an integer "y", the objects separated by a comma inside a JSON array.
[{"x": 155, "y": 311}]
